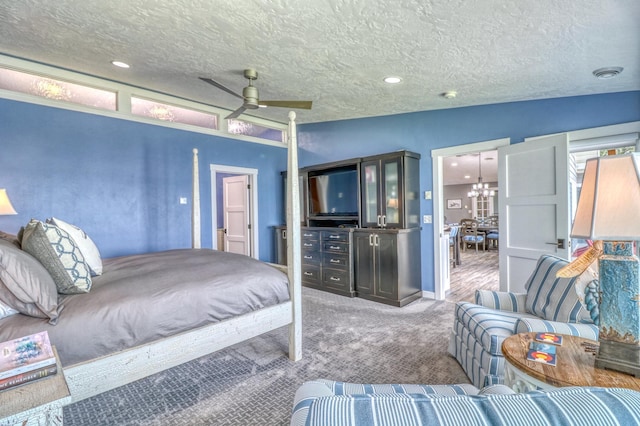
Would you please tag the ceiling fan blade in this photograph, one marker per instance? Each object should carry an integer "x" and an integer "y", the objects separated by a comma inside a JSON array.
[
  {"x": 236, "y": 113},
  {"x": 287, "y": 104},
  {"x": 220, "y": 86}
]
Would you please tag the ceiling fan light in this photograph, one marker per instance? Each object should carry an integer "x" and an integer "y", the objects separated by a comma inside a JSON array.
[{"x": 392, "y": 80}]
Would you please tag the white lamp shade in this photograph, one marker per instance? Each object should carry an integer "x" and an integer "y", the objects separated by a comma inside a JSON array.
[
  {"x": 5, "y": 205},
  {"x": 609, "y": 205}
]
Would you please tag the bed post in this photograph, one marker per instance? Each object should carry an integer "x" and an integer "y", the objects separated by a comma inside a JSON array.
[
  {"x": 293, "y": 242},
  {"x": 195, "y": 205}
]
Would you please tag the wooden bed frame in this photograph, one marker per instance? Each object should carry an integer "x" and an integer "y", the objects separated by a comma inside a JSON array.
[{"x": 102, "y": 374}]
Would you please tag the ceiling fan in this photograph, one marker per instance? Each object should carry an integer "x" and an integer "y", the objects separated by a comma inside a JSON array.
[{"x": 250, "y": 96}]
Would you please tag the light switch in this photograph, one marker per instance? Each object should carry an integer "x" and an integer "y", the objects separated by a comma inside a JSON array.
[
  {"x": 183, "y": 200},
  {"x": 427, "y": 218},
  {"x": 427, "y": 195}
]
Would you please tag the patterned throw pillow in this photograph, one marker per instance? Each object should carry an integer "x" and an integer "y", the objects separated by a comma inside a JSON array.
[
  {"x": 87, "y": 246},
  {"x": 554, "y": 299},
  {"x": 59, "y": 254}
]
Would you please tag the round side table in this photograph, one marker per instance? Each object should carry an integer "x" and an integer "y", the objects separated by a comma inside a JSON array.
[{"x": 574, "y": 366}]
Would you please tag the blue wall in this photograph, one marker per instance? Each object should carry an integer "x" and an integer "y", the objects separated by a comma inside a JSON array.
[
  {"x": 121, "y": 180},
  {"x": 423, "y": 131}
]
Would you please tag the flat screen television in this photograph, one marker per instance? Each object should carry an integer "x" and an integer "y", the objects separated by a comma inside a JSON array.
[{"x": 334, "y": 193}]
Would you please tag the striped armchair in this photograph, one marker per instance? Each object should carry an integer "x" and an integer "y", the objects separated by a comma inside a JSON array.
[{"x": 550, "y": 304}]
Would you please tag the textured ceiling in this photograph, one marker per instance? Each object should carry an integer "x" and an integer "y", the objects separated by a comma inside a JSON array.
[{"x": 336, "y": 52}]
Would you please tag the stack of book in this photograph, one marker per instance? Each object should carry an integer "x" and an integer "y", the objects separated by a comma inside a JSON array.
[{"x": 26, "y": 359}]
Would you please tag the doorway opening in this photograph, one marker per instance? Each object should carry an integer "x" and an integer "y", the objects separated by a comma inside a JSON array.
[
  {"x": 441, "y": 239},
  {"x": 234, "y": 207}
]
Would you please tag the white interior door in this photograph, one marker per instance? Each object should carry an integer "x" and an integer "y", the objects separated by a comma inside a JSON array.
[
  {"x": 534, "y": 206},
  {"x": 235, "y": 200}
]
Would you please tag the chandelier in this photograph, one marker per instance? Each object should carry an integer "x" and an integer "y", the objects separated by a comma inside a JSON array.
[{"x": 480, "y": 189}]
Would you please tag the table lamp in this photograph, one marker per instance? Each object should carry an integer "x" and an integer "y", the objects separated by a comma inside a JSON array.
[
  {"x": 609, "y": 210},
  {"x": 5, "y": 205}
]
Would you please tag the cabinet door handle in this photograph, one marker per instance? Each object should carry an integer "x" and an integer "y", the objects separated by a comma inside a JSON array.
[
  {"x": 384, "y": 221},
  {"x": 371, "y": 239},
  {"x": 334, "y": 260},
  {"x": 334, "y": 237},
  {"x": 307, "y": 235},
  {"x": 308, "y": 245},
  {"x": 308, "y": 273},
  {"x": 308, "y": 257},
  {"x": 379, "y": 220},
  {"x": 334, "y": 247},
  {"x": 284, "y": 234},
  {"x": 376, "y": 240},
  {"x": 334, "y": 279}
]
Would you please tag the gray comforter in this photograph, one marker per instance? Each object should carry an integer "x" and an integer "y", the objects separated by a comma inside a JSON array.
[{"x": 142, "y": 298}]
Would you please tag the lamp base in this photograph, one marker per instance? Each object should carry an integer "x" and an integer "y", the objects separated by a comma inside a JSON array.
[{"x": 624, "y": 357}]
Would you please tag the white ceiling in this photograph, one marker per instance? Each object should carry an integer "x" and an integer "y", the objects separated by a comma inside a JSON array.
[
  {"x": 336, "y": 52},
  {"x": 466, "y": 168}
]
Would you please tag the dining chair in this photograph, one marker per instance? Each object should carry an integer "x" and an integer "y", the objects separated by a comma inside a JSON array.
[
  {"x": 470, "y": 235},
  {"x": 454, "y": 245},
  {"x": 493, "y": 235}
]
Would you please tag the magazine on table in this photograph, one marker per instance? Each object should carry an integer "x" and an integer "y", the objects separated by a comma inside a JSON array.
[
  {"x": 552, "y": 338},
  {"x": 25, "y": 354}
]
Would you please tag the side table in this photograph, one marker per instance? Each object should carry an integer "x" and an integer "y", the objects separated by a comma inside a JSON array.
[
  {"x": 574, "y": 366},
  {"x": 36, "y": 404}
]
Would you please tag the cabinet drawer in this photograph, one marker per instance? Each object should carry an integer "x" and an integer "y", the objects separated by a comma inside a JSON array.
[
  {"x": 311, "y": 273},
  {"x": 310, "y": 235},
  {"x": 336, "y": 279},
  {"x": 331, "y": 247},
  {"x": 310, "y": 257},
  {"x": 309, "y": 245},
  {"x": 329, "y": 236},
  {"x": 336, "y": 261}
]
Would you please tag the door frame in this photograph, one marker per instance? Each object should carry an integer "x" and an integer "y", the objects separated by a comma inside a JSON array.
[
  {"x": 437, "y": 156},
  {"x": 253, "y": 202}
]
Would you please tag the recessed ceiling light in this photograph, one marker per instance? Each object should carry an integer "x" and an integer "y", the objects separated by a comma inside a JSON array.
[
  {"x": 467, "y": 177},
  {"x": 392, "y": 80},
  {"x": 120, "y": 64},
  {"x": 607, "y": 72},
  {"x": 450, "y": 94}
]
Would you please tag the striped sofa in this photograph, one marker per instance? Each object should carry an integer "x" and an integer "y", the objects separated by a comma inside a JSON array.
[
  {"x": 551, "y": 304},
  {"x": 329, "y": 403}
]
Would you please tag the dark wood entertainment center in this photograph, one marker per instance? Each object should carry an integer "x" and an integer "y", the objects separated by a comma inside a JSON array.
[{"x": 361, "y": 228}]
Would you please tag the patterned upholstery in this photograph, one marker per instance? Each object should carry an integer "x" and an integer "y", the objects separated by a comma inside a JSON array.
[
  {"x": 480, "y": 328},
  {"x": 554, "y": 298},
  {"x": 312, "y": 390},
  {"x": 59, "y": 254},
  {"x": 317, "y": 403}
]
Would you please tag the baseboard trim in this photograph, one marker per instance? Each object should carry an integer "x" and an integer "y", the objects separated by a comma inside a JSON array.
[{"x": 428, "y": 294}]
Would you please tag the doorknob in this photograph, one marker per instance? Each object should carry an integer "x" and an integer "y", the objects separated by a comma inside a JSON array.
[{"x": 559, "y": 244}]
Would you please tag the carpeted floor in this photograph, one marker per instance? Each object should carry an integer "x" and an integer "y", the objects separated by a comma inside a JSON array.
[{"x": 253, "y": 383}]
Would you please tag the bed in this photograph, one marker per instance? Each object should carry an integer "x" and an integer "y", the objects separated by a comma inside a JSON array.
[{"x": 100, "y": 351}]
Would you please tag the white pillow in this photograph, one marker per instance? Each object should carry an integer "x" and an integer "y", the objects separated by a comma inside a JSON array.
[{"x": 85, "y": 244}]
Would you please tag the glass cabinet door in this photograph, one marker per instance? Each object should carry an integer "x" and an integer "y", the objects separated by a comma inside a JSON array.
[
  {"x": 392, "y": 190},
  {"x": 370, "y": 184}
]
